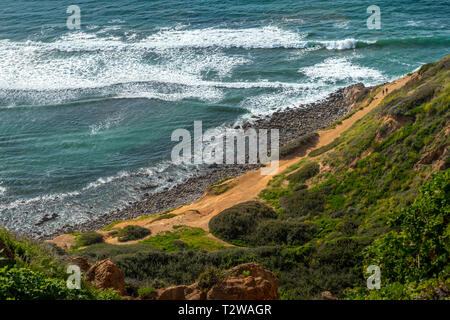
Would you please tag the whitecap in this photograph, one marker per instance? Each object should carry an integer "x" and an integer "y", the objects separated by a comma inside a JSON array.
[{"x": 333, "y": 70}]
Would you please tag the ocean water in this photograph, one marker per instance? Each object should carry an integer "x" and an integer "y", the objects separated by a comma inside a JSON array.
[{"x": 86, "y": 115}]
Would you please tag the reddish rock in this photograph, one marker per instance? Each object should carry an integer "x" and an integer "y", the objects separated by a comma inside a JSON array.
[
  {"x": 81, "y": 262},
  {"x": 248, "y": 281},
  {"x": 106, "y": 274},
  {"x": 172, "y": 293},
  {"x": 326, "y": 295}
]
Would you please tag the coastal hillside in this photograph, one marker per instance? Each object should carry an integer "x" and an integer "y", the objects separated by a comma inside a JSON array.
[{"x": 370, "y": 189}]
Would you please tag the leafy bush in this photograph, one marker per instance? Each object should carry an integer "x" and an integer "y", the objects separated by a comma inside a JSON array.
[
  {"x": 419, "y": 249},
  {"x": 37, "y": 256},
  {"x": 210, "y": 278},
  {"x": 88, "y": 238},
  {"x": 241, "y": 220},
  {"x": 272, "y": 232},
  {"x": 25, "y": 284},
  {"x": 299, "y": 145},
  {"x": 303, "y": 203},
  {"x": 306, "y": 172},
  {"x": 146, "y": 292},
  {"x": 132, "y": 232}
]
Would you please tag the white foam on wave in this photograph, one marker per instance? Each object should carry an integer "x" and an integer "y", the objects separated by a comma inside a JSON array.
[
  {"x": 105, "y": 180},
  {"x": 266, "y": 104},
  {"x": 340, "y": 44},
  {"x": 333, "y": 70},
  {"x": 21, "y": 203},
  {"x": 36, "y": 72},
  {"x": 27, "y": 66},
  {"x": 247, "y": 38}
]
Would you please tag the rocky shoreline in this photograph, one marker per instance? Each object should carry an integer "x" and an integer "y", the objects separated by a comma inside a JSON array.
[{"x": 291, "y": 122}]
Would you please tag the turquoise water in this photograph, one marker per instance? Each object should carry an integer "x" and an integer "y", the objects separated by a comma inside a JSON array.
[{"x": 86, "y": 115}]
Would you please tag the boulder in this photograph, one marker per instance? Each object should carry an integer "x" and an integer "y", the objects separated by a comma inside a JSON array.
[
  {"x": 172, "y": 293},
  {"x": 106, "y": 274},
  {"x": 249, "y": 281},
  {"x": 81, "y": 262}
]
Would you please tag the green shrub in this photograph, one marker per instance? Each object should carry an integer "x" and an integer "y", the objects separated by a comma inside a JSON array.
[
  {"x": 299, "y": 145},
  {"x": 306, "y": 172},
  {"x": 33, "y": 254},
  {"x": 180, "y": 244},
  {"x": 273, "y": 232},
  {"x": 303, "y": 203},
  {"x": 25, "y": 284},
  {"x": 241, "y": 220},
  {"x": 420, "y": 248},
  {"x": 88, "y": 238},
  {"x": 146, "y": 292},
  {"x": 210, "y": 278},
  {"x": 132, "y": 232}
]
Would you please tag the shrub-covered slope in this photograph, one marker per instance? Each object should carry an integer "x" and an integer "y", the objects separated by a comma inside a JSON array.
[{"x": 30, "y": 270}]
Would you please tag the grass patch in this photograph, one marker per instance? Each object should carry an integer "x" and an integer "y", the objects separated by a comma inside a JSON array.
[
  {"x": 220, "y": 182},
  {"x": 217, "y": 190},
  {"x": 194, "y": 238}
]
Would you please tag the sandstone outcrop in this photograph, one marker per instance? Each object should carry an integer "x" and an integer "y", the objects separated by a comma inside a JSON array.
[
  {"x": 106, "y": 274},
  {"x": 81, "y": 262},
  {"x": 249, "y": 281}
]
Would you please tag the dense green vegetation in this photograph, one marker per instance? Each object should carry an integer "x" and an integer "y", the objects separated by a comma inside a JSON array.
[
  {"x": 416, "y": 253},
  {"x": 239, "y": 222},
  {"x": 35, "y": 271},
  {"x": 183, "y": 238}
]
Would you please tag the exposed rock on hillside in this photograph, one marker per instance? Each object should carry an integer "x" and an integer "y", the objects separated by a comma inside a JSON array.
[
  {"x": 106, "y": 274},
  {"x": 249, "y": 281},
  {"x": 81, "y": 262}
]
